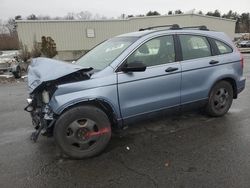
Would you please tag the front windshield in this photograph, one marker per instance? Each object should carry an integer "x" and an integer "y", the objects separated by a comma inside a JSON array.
[{"x": 103, "y": 54}]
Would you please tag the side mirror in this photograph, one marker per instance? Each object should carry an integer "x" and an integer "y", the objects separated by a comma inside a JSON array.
[{"x": 136, "y": 66}]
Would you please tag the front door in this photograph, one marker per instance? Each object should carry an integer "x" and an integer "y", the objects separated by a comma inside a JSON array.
[{"x": 158, "y": 87}]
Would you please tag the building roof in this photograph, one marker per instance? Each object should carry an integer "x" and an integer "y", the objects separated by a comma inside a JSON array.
[{"x": 128, "y": 19}]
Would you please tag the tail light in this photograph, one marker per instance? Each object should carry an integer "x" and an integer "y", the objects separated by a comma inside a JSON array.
[{"x": 242, "y": 61}]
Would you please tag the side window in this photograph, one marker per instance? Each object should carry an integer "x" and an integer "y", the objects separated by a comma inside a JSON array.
[
  {"x": 223, "y": 48},
  {"x": 194, "y": 47},
  {"x": 156, "y": 51}
]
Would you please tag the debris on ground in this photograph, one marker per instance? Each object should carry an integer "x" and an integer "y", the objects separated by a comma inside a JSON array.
[
  {"x": 9, "y": 78},
  {"x": 127, "y": 148},
  {"x": 172, "y": 131},
  {"x": 191, "y": 169},
  {"x": 25, "y": 76},
  {"x": 167, "y": 163}
]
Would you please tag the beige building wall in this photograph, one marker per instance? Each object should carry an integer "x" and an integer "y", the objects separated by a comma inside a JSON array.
[{"x": 71, "y": 35}]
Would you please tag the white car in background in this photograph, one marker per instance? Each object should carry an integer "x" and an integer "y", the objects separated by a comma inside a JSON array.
[{"x": 10, "y": 62}]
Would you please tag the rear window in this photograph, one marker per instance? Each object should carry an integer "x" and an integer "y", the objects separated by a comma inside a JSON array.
[
  {"x": 194, "y": 47},
  {"x": 223, "y": 48}
]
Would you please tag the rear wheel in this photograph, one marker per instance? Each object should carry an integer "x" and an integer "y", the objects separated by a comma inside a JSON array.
[
  {"x": 18, "y": 72},
  {"x": 82, "y": 132},
  {"x": 220, "y": 99}
]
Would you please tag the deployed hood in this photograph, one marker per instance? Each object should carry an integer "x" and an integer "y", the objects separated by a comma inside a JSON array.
[{"x": 42, "y": 70}]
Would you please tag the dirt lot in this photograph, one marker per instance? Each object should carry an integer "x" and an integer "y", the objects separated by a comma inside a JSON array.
[{"x": 190, "y": 150}]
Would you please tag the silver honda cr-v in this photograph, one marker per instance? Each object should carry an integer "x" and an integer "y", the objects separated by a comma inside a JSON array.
[{"x": 131, "y": 77}]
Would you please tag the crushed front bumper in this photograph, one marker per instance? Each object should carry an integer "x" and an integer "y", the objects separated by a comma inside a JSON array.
[{"x": 42, "y": 118}]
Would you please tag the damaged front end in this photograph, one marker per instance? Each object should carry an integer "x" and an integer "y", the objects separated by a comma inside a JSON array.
[
  {"x": 43, "y": 118},
  {"x": 44, "y": 76}
]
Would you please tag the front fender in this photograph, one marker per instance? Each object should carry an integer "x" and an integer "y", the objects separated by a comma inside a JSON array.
[{"x": 59, "y": 102}]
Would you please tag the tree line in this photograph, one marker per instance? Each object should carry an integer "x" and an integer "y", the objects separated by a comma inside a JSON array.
[{"x": 242, "y": 20}]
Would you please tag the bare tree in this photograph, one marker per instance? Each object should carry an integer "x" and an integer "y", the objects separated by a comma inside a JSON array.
[
  {"x": 11, "y": 26},
  {"x": 70, "y": 16},
  {"x": 42, "y": 17},
  {"x": 32, "y": 17},
  {"x": 84, "y": 15},
  {"x": 3, "y": 28}
]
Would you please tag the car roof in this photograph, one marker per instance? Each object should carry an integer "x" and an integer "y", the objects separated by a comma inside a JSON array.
[
  {"x": 136, "y": 34},
  {"x": 210, "y": 33}
]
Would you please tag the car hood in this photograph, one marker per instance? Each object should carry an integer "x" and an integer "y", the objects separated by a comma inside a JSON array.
[{"x": 42, "y": 70}]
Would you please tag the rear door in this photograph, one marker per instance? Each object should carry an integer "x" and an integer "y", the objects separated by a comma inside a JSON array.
[
  {"x": 158, "y": 87},
  {"x": 198, "y": 64}
]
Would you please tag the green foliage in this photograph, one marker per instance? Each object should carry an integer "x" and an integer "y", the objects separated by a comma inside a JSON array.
[
  {"x": 18, "y": 17},
  {"x": 242, "y": 20},
  {"x": 231, "y": 15},
  {"x": 48, "y": 47},
  {"x": 243, "y": 23},
  {"x": 178, "y": 12},
  {"x": 216, "y": 13},
  {"x": 170, "y": 12},
  {"x": 153, "y": 13},
  {"x": 32, "y": 17}
]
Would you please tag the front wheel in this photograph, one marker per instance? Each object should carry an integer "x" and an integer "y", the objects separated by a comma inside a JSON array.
[
  {"x": 82, "y": 132},
  {"x": 220, "y": 99}
]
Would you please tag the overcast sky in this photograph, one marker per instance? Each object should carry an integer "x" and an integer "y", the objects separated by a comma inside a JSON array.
[{"x": 114, "y": 8}]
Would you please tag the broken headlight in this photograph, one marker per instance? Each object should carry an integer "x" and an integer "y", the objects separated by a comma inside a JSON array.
[{"x": 45, "y": 96}]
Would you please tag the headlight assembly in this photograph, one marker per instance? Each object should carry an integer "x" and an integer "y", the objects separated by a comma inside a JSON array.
[{"x": 45, "y": 96}]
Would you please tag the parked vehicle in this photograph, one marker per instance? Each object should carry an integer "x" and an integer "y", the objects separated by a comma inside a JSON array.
[
  {"x": 131, "y": 77},
  {"x": 10, "y": 62},
  {"x": 244, "y": 43}
]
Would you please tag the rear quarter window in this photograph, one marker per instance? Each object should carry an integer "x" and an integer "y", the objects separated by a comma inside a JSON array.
[{"x": 223, "y": 48}]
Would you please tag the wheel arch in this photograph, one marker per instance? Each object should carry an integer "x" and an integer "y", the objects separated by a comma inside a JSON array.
[
  {"x": 104, "y": 105},
  {"x": 232, "y": 83}
]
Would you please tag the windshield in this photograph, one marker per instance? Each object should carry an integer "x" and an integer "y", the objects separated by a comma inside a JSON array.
[{"x": 103, "y": 54}]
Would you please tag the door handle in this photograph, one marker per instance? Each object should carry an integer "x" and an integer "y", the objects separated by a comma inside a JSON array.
[
  {"x": 213, "y": 62},
  {"x": 171, "y": 69}
]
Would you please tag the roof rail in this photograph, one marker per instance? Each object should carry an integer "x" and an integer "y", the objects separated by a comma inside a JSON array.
[
  {"x": 172, "y": 26},
  {"x": 201, "y": 27},
  {"x": 176, "y": 27}
]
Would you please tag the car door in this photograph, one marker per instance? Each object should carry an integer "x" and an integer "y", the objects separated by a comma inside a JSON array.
[
  {"x": 198, "y": 64},
  {"x": 158, "y": 87}
]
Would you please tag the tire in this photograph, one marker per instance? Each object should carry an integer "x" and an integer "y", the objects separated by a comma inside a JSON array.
[
  {"x": 82, "y": 132},
  {"x": 220, "y": 99},
  {"x": 18, "y": 73}
]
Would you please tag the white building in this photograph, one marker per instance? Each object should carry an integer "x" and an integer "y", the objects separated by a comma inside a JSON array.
[{"x": 73, "y": 37}]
